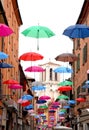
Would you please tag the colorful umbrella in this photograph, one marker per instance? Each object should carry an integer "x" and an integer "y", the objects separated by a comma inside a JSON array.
[
  {"x": 35, "y": 88},
  {"x": 62, "y": 96},
  {"x": 65, "y": 88},
  {"x": 38, "y": 32},
  {"x": 43, "y": 107},
  {"x": 55, "y": 103},
  {"x": 80, "y": 99},
  {"x": 63, "y": 69},
  {"x": 65, "y": 83},
  {"x": 3, "y": 56},
  {"x": 21, "y": 101},
  {"x": 44, "y": 97},
  {"x": 34, "y": 69},
  {"x": 26, "y": 103},
  {"x": 71, "y": 102},
  {"x": 5, "y": 65},
  {"x": 85, "y": 86},
  {"x": 66, "y": 107},
  {"x": 52, "y": 111},
  {"x": 38, "y": 83},
  {"x": 5, "y": 30},
  {"x": 15, "y": 86},
  {"x": 66, "y": 57},
  {"x": 11, "y": 81},
  {"x": 77, "y": 31},
  {"x": 27, "y": 97},
  {"x": 87, "y": 82},
  {"x": 31, "y": 56},
  {"x": 29, "y": 107},
  {"x": 41, "y": 101}
]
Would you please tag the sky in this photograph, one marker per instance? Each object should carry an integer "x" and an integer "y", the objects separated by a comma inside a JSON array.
[{"x": 57, "y": 15}]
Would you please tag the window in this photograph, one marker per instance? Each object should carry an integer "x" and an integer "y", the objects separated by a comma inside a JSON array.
[
  {"x": 55, "y": 76},
  {"x": 78, "y": 63},
  {"x": 84, "y": 54},
  {"x": 78, "y": 44},
  {"x": 50, "y": 74},
  {"x": 78, "y": 91}
]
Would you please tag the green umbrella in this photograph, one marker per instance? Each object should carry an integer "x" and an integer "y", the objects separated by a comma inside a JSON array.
[
  {"x": 62, "y": 97},
  {"x": 38, "y": 32},
  {"x": 65, "y": 83},
  {"x": 43, "y": 107},
  {"x": 63, "y": 110}
]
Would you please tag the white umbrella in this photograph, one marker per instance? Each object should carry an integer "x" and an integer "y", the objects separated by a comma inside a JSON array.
[{"x": 62, "y": 128}]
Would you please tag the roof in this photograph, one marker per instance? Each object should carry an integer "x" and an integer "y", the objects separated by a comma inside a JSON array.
[
  {"x": 49, "y": 63},
  {"x": 84, "y": 12}
]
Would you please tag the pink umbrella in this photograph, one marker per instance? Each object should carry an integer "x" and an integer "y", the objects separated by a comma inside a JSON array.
[
  {"x": 5, "y": 30},
  {"x": 44, "y": 97},
  {"x": 55, "y": 103},
  {"x": 15, "y": 86},
  {"x": 21, "y": 101},
  {"x": 34, "y": 69}
]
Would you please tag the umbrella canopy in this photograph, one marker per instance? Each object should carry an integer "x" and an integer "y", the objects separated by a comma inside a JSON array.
[
  {"x": 52, "y": 111},
  {"x": 44, "y": 97},
  {"x": 34, "y": 69},
  {"x": 85, "y": 86},
  {"x": 41, "y": 101},
  {"x": 80, "y": 99},
  {"x": 71, "y": 102},
  {"x": 38, "y": 32},
  {"x": 5, "y": 65},
  {"x": 65, "y": 88},
  {"x": 66, "y": 107},
  {"x": 62, "y": 96},
  {"x": 31, "y": 56},
  {"x": 29, "y": 107},
  {"x": 27, "y": 97},
  {"x": 38, "y": 83},
  {"x": 43, "y": 107},
  {"x": 63, "y": 69},
  {"x": 65, "y": 83},
  {"x": 35, "y": 88},
  {"x": 77, "y": 31},
  {"x": 5, "y": 30},
  {"x": 62, "y": 128},
  {"x": 15, "y": 86},
  {"x": 10, "y": 81},
  {"x": 66, "y": 57},
  {"x": 26, "y": 103},
  {"x": 3, "y": 56}
]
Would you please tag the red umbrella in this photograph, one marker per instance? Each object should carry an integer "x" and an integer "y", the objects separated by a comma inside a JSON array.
[
  {"x": 31, "y": 56},
  {"x": 34, "y": 69},
  {"x": 25, "y": 103},
  {"x": 65, "y": 88},
  {"x": 5, "y": 30},
  {"x": 10, "y": 81},
  {"x": 80, "y": 99}
]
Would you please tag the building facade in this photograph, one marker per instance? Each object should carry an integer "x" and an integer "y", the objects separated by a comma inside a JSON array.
[
  {"x": 9, "y": 15},
  {"x": 81, "y": 67}
]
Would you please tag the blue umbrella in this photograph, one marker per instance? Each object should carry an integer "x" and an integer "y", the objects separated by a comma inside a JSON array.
[
  {"x": 27, "y": 97},
  {"x": 77, "y": 31},
  {"x": 66, "y": 107},
  {"x": 63, "y": 69},
  {"x": 85, "y": 86},
  {"x": 87, "y": 82},
  {"x": 3, "y": 55},
  {"x": 29, "y": 107},
  {"x": 72, "y": 102},
  {"x": 61, "y": 113},
  {"x": 5, "y": 65},
  {"x": 34, "y": 88},
  {"x": 41, "y": 101}
]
